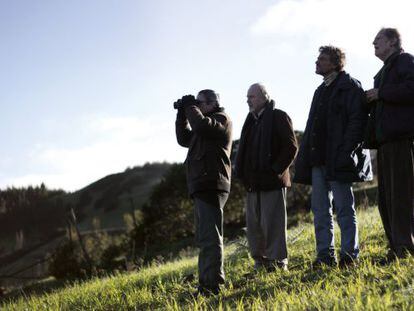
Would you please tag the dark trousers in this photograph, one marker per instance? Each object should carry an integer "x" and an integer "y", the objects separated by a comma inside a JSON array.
[
  {"x": 266, "y": 226},
  {"x": 396, "y": 194},
  {"x": 209, "y": 236}
]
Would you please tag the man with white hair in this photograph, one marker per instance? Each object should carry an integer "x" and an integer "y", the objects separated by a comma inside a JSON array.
[
  {"x": 267, "y": 148},
  {"x": 391, "y": 131}
]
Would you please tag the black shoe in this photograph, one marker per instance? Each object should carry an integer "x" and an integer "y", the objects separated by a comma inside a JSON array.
[
  {"x": 403, "y": 252},
  {"x": 207, "y": 291},
  {"x": 389, "y": 258},
  {"x": 324, "y": 262},
  {"x": 278, "y": 265},
  {"x": 347, "y": 262}
]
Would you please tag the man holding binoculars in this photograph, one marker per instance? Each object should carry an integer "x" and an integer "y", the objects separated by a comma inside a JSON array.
[{"x": 204, "y": 128}]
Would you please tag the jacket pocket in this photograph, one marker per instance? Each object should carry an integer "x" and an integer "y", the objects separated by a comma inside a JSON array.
[{"x": 346, "y": 161}]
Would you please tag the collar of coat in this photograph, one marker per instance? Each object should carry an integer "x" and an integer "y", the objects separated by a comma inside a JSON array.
[
  {"x": 269, "y": 105},
  {"x": 344, "y": 81},
  {"x": 387, "y": 64},
  {"x": 329, "y": 79}
]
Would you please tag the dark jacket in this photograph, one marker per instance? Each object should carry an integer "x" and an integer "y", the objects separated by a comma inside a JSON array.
[
  {"x": 275, "y": 152},
  {"x": 392, "y": 116},
  {"x": 345, "y": 159},
  {"x": 209, "y": 147}
]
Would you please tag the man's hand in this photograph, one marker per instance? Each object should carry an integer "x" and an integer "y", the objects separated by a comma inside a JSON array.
[
  {"x": 372, "y": 95},
  {"x": 181, "y": 113},
  {"x": 188, "y": 100}
]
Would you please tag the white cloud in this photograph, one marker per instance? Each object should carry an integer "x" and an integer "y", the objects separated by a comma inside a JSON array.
[
  {"x": 290, "y": 32},
  {"x": 119, "y": 142},
  {"x": 350, "y": 24}
]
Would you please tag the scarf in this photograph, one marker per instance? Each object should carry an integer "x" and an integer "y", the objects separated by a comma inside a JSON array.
[{"x": 265, "y": 147}]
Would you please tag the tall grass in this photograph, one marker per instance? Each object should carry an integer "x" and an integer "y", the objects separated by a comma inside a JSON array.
[{"x": 369, "y": 286}]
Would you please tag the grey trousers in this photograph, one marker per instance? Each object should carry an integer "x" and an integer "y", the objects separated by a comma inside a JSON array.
[
  {"x": 396, "y": 194},
  {"x": 266, "y": 226},
  {"x": 208, "y": 216}
]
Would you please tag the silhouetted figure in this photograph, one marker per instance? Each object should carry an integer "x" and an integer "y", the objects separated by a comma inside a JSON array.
[
  {"x": 267, "y": 148},
  {"x": 391, "y": 131},
  {"x": 208, "y": 177},
  {"x": 331, "y": 156}
]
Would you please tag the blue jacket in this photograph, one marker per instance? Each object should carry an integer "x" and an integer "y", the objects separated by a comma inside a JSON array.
[{"x": 346, "y": 160}]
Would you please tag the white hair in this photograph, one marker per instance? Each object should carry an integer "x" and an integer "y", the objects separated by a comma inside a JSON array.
[{"x": 262, "y": 90}]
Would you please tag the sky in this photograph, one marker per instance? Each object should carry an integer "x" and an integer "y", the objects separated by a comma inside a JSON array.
[{"x": 87, "y": 86}]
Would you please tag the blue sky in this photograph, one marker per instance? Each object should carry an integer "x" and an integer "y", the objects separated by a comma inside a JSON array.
[{"x": 87, "y": 86}]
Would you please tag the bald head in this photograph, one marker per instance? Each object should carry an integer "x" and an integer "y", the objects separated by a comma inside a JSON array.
[{"x": 257, "y": 97}]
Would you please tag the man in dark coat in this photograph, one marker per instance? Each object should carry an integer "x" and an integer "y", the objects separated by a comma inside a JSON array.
[
  {"x": 391, "y": 130},
  {"x": 331, "y": 157},
  {"x": 208, "y": 178},
  {"x": 267, "y": 148}
]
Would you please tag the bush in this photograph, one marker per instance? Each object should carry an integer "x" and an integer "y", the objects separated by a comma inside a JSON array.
[
  {"x": 113, "y": 258},
  {"x": 105, "y": 253},
  {"x": 67, "y": 262}
]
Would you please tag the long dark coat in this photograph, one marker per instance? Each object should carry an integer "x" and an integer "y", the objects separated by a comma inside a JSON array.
[
  {"x": 276, "y": 152},
  {"x": 395, "y": 84}
]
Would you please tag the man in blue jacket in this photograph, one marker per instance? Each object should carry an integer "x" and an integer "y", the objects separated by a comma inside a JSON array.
[
  {"x": 331, "y": 156},
  {"x": 391, "y": 131}
]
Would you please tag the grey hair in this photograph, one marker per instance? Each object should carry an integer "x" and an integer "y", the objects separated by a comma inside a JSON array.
[
  {"x": 392, "y": 33},
  {"x": 262, "y": 90}
]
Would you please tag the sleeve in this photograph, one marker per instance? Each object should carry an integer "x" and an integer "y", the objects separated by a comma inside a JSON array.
[
  {"x": 357, "y": 118},
  {"x": 401, "y": 92},
  {"x": 214, "y": 126},
  {"x": 182, "y": 131},
  {"x": 289, "y": 145}
]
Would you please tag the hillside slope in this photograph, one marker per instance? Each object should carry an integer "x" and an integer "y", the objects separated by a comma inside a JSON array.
[
  {"x": 103, "y": 203},
  {"x": 110, "y": 197},
  {"x": 168, "y": 286}
]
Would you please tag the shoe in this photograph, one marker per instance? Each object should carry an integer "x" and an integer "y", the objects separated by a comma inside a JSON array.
[
  {"x": 258, "y": 266},
  {"x": 346, "y": 262},
  {"x": 403, "y": 252},
  {"x": 207, "y": 291},
  {"x": 278, "y": 265},
  {"x": 327, "y": 261},
  {"x": 389, "y": 258}
]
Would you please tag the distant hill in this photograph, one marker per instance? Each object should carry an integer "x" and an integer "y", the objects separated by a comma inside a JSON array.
[
  {"x": 109, "y": 198},
  {"x": 32, "y": 225},
  {"x": 105, "y": 200}
]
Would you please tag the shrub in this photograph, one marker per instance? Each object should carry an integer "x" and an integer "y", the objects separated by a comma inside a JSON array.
[{"x": 67, "y": 262}]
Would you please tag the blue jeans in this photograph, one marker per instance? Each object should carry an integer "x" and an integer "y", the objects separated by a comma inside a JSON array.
[{"x": 322, "y": 193}]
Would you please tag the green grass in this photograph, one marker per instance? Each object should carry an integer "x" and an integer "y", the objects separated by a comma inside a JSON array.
[{"x": 166, "y": 286}]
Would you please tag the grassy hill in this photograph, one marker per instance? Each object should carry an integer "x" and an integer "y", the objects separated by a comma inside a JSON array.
[
  {"x": 104, "y": 202},
  {"x": 114, "y": 195},
  {"x": 369, "y": 286}
]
